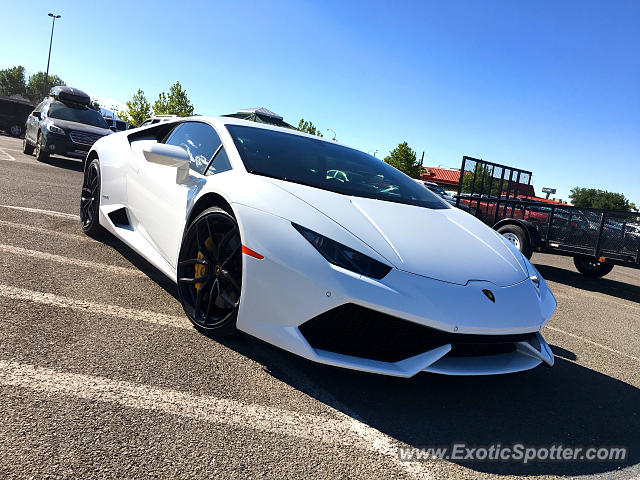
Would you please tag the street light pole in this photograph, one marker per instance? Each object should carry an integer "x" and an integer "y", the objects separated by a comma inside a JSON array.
[
  {"x": 334, "y": 133},
  {"x": 46, "y": 75}
]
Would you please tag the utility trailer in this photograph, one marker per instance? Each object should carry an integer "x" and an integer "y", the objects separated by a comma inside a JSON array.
[{"x": 597, "y": 239}]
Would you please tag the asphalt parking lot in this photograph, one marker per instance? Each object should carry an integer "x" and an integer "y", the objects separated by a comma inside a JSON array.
[{"x": 101, "y": 374}]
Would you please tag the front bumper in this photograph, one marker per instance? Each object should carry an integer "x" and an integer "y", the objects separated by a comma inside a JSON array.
[
  {"x": 57, "y": 144},
  {"x": 293, "y": 285}
]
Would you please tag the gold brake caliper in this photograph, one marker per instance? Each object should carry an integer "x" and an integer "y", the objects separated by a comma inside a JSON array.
[{"x": 201, "y": 270}]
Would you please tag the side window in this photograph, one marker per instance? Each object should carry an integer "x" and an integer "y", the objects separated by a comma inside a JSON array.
[
  {"x": 199, "y": 140},
  {"x": 40, "y": 108},
  {"x": 219, "y": 164},
  {"x": 45, "y": 108}
]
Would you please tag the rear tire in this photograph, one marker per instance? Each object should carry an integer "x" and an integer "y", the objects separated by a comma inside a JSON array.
[
  {"x": 15, "y": 130},
  {"x": 27, "y": 148},
  {"x": 518, "y": 237},
  {"x": 41, "y": 153},
  {"x": 592, "y": 268}
]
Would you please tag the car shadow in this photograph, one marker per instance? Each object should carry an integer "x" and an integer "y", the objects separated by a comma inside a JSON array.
[
  {"x": 140, "y": 263},
  {"x": 604, "y": 285},
  {"x": 564, "y": 353},
  {"x": 4, "y": 133},
  {"x": 568, "y": 404},
  {"x": 65, "y": 163}
]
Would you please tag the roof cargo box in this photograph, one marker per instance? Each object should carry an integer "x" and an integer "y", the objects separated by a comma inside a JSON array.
[{"x": 70, "y": 95}]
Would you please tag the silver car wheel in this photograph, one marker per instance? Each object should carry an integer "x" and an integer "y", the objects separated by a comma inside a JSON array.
[{"x": 513, "y": 238}]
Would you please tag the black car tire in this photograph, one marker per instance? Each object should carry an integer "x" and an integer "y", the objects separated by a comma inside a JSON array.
[
  {"x": 41, "y": 153},
  {"x": 27, "y": 148},
  {"x": 15, "y": 130},
  {"x": 592, "y": 268},
  {"x": 211, "y": 251}
]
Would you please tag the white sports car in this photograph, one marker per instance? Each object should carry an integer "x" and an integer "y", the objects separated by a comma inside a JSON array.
[{"x": 317, "y": 248}]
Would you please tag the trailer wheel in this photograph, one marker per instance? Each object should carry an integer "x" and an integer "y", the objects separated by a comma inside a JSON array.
[
  {"x": 518, "y": 237},
  {"x": 592, "y": 268}
]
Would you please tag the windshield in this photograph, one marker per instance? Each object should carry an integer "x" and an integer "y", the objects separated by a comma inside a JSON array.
[
  {"x": 84, "y": 115},
  {"x": 437, "y": 188},
  {"x": 328, "y": 166}
]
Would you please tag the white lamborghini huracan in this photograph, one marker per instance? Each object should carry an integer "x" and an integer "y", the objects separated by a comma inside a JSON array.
[{"x": 317, "y": 248}]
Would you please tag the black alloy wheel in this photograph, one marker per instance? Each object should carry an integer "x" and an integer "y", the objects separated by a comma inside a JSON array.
[
  {"x": 90, "y": 200},
  {"x": 210, "y": 271}
]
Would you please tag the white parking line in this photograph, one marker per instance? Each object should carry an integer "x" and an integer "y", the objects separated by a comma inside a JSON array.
[
  {"x": 47, "y": 231},
  {"x": 591, "y": 342},
  {"x": 100, "y": 309},
  {"x": 345, "y": 432},
  {"x": 203, "y": 408},
  {"x": 6, "y": 154},
  {"x": 71, "y": 261},
  {"x": 602, "y": 297},
  {"x": 44, "y": 212}
]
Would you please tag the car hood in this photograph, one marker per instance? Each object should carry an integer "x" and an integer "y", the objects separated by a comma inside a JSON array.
[
  {"x": 444, "y": 244},
  {"x": 83, "y": 127}
]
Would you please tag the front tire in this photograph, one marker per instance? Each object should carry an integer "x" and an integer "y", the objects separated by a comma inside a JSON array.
[
  {"x": 210, "y": 272},
  {"x": 518, "y": 237},
  {"x": 41, "y": 150},
  {"x": 27, "y": 149},
  {"x": 592, "y": 268},
  {"x": 90, "y": 200}
]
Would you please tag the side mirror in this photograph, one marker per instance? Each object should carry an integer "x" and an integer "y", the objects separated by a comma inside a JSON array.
[
  {"x": 169, "y": 156},
  {"x": 36, "y": 114},
  {"x": 113, "y": 129}
]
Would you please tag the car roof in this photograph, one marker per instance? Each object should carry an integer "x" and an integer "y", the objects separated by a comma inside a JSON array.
[{"x": 221, "y": 121}]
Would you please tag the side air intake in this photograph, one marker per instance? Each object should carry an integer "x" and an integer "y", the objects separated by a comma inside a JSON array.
[{"x": 120, "y": 218}]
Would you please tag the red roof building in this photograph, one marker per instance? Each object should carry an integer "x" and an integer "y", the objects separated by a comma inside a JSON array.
[{"x": 448, "y": 178}]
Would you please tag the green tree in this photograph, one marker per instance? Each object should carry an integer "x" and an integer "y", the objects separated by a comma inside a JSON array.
[
  {"x": 175, "y": 102},
  {"x": 483, "y": 182},
  {"x": 35, "y": 86},
  {"x": 12, "y": 81},
  {"x": 138, "y": 109},
  {"x": 308, "y": 127},
  {"x": 405, "y": 160},
  {"x": 596, "y": 198}
]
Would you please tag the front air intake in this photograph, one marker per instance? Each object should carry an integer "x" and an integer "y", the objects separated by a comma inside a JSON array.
[{"x": 361, "y": 332}]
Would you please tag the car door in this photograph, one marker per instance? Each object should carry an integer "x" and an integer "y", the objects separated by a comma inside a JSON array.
[{"x": 160, "y": 202}]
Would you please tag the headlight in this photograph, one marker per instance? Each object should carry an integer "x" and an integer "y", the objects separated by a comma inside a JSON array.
[
  {"x": 343, "y": 256},
  {"x": 532, "y": 273},
  {"x": 54, "y": 129}
]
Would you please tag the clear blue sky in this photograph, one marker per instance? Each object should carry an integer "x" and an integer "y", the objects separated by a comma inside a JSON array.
[{"x": 553, "y": 87}]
